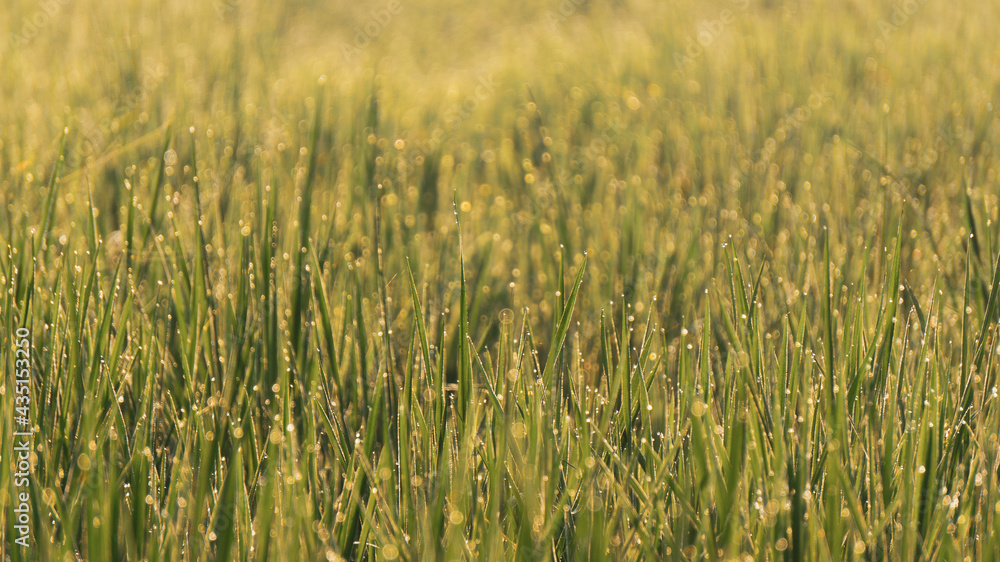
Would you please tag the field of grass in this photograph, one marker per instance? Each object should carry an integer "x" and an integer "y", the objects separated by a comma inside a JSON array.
[{"x": 538, "y": 280}]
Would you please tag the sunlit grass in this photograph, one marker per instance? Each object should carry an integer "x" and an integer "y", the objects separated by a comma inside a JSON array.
[{"x": 533, "y": 282}]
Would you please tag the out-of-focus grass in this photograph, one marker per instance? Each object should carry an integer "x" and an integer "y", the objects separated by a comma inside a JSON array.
[{"x": 530, "y": 281}]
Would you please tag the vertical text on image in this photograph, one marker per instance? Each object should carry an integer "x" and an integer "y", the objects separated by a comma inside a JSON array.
[{"x": 23, "y": 432}]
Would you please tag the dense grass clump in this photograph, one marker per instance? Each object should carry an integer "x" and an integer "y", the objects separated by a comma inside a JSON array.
[{"x": 590, "y": 280}]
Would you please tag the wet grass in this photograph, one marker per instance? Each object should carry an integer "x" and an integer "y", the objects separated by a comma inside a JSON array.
[{"x": 582, "y": 301}]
